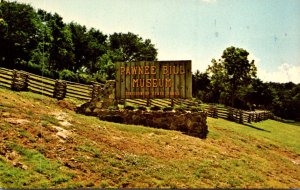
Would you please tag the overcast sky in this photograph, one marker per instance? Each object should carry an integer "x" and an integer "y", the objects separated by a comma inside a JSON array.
[{"x": 199, "y": 30}]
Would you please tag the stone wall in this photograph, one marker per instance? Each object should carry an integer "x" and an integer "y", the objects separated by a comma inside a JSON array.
[{"x": 193, "y": 124}]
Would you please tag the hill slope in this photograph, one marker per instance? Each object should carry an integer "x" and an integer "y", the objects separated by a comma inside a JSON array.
[{"x": 44, "y": 144}]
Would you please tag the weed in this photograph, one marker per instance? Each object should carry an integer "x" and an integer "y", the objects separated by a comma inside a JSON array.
[
  {"x": 203, "y": 169},
  {"x": 104, "y": 184},
  {"x": 90, "y": 149},
  {"x": 49, "y": 119},
  {"x": 60, "y": 179},
  {"x": 45, "y": 123},
  {"x": 30, "y": 113},
  {"x": 4, "y": 126}
]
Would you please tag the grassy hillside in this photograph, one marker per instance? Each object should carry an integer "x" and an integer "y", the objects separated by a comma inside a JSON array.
[{"x": 43, "y": 143}]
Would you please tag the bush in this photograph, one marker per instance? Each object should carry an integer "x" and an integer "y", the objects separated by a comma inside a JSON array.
[
  {"x": 67, "y": 75},
  {"x": 179, "y": 109},
  {"x": 195, "y": 109},
  {"x": 155, "y": 108},
  {"x": 167, "y": 109},
  {"x": 129, "y": 108},
  {"x": 84, "y": 78},
  {"x": 142, "y": 108}
]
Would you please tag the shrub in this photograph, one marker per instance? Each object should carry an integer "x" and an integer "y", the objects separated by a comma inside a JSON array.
[
  {"x": 167, "y": 109},
  {"x": 142, "y": 108},
  {"x": 129, "y": 108},
  {"x": 67, "y": 75},
  {"x": 155, "y": 108},
  {"x": 112, "y": 108},
  {"x": 195, "y": 109}
]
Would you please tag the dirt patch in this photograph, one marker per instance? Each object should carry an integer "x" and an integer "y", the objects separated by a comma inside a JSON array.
[{"x": 66, "y": 105}]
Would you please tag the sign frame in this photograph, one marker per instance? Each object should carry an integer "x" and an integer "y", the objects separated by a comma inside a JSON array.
[{"x": 154, "y": 79}]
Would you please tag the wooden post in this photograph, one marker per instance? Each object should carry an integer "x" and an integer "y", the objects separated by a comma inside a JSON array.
[
  {"x": 60, "y": 89},
  {"x": 19, "y": 81},
  {"x": 148, "y": 102},
  {"x": 172, "y": 103},
  {"x": 215, "y": 112},
  {"x": 230, "y": 114},
  {"x": 241, "y": 119},
  {"x": 249, "y": 117}
]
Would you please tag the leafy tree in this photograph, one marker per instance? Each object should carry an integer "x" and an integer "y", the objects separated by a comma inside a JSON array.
[
  {"x": 61, "y": 51},
  {"x": 231, "y": 75},
  {"x": 200, "y": 83},
  {"x": 20, "y": 32},
  {"x": 218, "y": 80},
  {"x": 238, "y": 69},
  {"x": 130, "y": 47},
  {"x": 96, "y": 48},
  {"x": 259, "y": 95},
  {"x": 80, "y": 42}
]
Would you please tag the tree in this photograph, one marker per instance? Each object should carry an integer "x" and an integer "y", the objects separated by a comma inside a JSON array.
[
  {"x": 61, "y": 51},
  {"x": 218, "y": 79},
  {"x": 96, "y": 47},
  {"x": 259, "y": 94},
  {"x": 20, "y": 32},
  {"x": 231, "y": 75},
  {"x": 80, "y": 42},
  {"x": 130, "y": 47},
  {"x": 200, "y": 83}
]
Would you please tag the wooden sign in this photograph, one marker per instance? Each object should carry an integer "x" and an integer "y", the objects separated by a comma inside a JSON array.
[{"x": 153, "y": 79}]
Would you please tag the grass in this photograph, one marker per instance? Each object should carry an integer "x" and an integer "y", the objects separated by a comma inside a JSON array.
[{"x": 109, "y": 155}]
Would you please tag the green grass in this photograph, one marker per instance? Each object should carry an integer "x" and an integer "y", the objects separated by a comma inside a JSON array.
[
  {"x": 41, "y": 173},
  {"x": 110, "y": 155},
  {"x": 277, "y": 133}
]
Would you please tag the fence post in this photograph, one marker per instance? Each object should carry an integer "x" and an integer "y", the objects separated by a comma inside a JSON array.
[
  {"x": 19, "y": 81},
  {"x": 172, "y": 103},
  {"x": 241, "y": 116},
  {"x": 249, "y": 117},
  {"x": 60, "y": 89},
  {"x": 230, "y": 113},
  {"x": 96, "y": 90},
  {"x": 148, "y": 102},
  {"x": 215, "y": 112}
]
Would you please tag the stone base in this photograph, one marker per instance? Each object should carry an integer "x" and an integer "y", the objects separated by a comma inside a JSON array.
[{"x": 193, "y": 124}]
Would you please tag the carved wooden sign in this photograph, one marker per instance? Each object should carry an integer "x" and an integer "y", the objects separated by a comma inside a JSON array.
[{"x": 153, "y": 79}]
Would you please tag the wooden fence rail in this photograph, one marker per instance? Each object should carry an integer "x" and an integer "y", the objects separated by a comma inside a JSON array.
[
  {"x": 23, "y": 81},
  {"x": 237, "y": 115},
  {"x": 232, "y": 114}
]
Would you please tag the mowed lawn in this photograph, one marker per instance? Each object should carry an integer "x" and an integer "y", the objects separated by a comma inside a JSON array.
[{"x": 44, "y": 144}]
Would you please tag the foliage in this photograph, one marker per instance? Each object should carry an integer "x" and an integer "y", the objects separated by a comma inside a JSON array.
[
  {"x": 231, "y": 75},
  {"x": 42, "y": 43},
  {"x": 167, "y": 109},
  {"x": 155, "y": 108},
  {"x": 142, "y": 108},
  {"x": 131, "y": 47},
  {"x": 232, "y": 81},
  {"x": 129, "y": 108}
]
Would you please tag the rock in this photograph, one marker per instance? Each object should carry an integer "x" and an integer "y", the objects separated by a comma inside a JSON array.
[
  {"x": 65, "y": 123},
  {"x": 20, "y": 165},
  {"x": 12, "y": 156},
  {"x": 17, "y": 121},
  {"x": 6, "y": 114},
  {"x": 62, "y": 133}
]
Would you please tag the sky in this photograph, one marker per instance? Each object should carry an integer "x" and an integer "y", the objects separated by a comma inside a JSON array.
[{"x": 199, "y": 30}]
